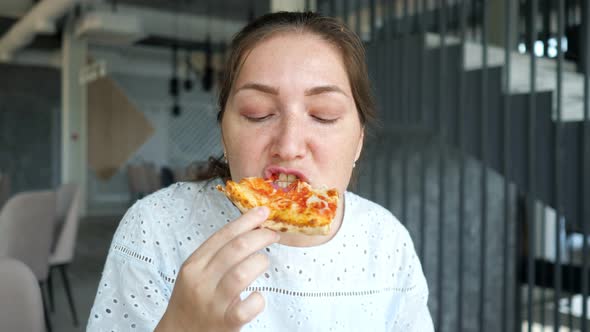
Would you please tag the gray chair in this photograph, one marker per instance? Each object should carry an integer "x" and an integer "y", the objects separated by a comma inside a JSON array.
[
  {"x": 132, "y": 182},
  {"x": 69, "y": 198},
  {"x": 152, "y": 178},
  {"x": 138, "y": 187},
  {"x": 20, "y": 298},
  {"x": 143, "y": 179},
  {"x": 26, "y": 232}
]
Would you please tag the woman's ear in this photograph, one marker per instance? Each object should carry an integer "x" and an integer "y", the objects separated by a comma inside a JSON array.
[
  {"x": 359, "y": 148},
  {"x": 223, "y": 143}
]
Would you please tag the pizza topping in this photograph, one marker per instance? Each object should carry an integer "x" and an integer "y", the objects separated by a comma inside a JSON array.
[{"x": 303, "y": 208}]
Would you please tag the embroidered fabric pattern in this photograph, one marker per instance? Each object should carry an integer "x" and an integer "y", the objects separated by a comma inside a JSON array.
[
  {"x": 131, "y": 253},
  {"x": 328, "y": 294},
  {"x": 168, "y": 279}
]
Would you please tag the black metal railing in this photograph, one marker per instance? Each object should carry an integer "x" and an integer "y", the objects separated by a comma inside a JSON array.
[{"x": 473, "y": 164}]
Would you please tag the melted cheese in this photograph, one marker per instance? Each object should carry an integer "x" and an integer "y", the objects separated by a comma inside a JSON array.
[{"x": 299, "y": 205}]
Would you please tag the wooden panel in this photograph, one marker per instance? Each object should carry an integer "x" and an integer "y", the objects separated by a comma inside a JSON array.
[{"x": 116, "y": 128}]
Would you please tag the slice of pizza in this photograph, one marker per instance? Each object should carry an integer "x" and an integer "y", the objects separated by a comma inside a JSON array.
[{"x": 295, "y": 206}]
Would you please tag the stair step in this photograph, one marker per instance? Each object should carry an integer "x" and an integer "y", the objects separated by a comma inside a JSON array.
[{"x": 546, "y": 80}]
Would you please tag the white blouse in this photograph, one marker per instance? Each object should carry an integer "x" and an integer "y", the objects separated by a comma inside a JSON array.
[{"x": 366, "y": 278}]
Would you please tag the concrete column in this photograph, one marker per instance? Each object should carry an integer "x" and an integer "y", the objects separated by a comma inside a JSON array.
[
  {"x": 74, "y": 165},
  {"x": 497, "y": 23},
  {"x": 291, "y": 5}
]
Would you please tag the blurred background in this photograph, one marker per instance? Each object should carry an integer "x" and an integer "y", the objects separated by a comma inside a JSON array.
[{"x": 482, "y": 148}]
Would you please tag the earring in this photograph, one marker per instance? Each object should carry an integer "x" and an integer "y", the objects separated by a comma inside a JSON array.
[
  {"x": 224, "y": 157},
  {"x": 354, "y": 164}
]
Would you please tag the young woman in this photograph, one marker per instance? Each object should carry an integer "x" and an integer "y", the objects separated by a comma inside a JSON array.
[{"x": 295, "y": 100}]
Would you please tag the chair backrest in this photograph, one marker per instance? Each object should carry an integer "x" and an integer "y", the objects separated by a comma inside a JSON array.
[
  {"x": 65, "y": 240},
  {"x": 166, "y": 177},
  {"x": 26, "y": 229},
  {"x": 20, "y": 298},
  {"x": 133, "y": 178},
  {"x": 140, "y": 183},
  {"x": 180, "y": 174},
  {"x": 65, "y": 197},
  {"x": 152, "y": 178}
]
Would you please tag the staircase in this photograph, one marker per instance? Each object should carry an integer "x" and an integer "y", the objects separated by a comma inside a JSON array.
[
  {"x": 428, "y": 120},
  {"x": 407, "y": 101}
]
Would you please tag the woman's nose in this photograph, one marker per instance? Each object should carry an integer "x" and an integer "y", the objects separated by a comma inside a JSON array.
[{"x": 289, "y": 140}]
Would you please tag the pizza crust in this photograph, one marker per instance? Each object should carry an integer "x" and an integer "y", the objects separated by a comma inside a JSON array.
[
  {"x": 288, "y": 228},
  {"x": 245, "y": 199}
]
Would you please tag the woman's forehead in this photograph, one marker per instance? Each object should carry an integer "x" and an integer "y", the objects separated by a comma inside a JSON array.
[
  {"x": 292, "y": 39},
  {"x": 293, "y": 58}
]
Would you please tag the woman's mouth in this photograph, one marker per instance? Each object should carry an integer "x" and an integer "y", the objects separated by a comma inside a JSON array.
[{"x": 283, "y": 177}]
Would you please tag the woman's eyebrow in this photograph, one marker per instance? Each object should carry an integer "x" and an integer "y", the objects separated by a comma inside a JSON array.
[
  {"x": 259, "y": 87},
  {"x": 324, "y": 89},
  {"x": 274, "y": 91}
]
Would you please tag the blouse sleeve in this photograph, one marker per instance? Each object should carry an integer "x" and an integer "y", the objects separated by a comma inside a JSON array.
[
  {"x": 132, "y": 294},
  {"x": 412, "y": 314}
]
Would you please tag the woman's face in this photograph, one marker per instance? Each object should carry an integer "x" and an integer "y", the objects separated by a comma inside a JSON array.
[{"x": 291, "y": 111}]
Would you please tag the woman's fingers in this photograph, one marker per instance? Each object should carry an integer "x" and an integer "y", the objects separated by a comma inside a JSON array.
[
  {"x": 246, "y": 222},
  {"x": 239, "y": 248},
  {"x": 239, "y": 277},
  {"x": 242, "y": 312},
  {"x": 215, "y": 274}
]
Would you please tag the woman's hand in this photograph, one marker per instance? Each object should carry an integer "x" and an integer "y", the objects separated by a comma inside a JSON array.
[{"x": 206, "y": 296}]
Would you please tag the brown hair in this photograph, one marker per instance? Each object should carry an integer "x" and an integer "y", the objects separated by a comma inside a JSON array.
[{"x": 327, "y": 28}]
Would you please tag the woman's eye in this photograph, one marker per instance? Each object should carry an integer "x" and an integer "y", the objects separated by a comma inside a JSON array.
[
  {"x": 257, "y": 118},
  {"x": 324, "y": 120}
]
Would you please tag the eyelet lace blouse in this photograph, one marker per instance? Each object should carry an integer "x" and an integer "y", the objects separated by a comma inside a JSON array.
[{"x": 366, "y": 278}]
